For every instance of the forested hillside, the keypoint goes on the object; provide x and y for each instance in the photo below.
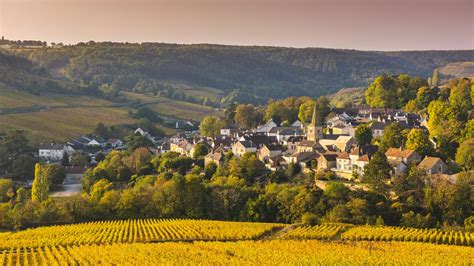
(21, 74)
(251, 74)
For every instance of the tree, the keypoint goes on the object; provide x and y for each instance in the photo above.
(135, 141)
(55, 174)
(322, 107)
(245, 116)
(211, 126)
(382, 92)
(393, 137)
(101, 131)
(425, 95)
(40, 187)
(363, 134)
(306, 111)
(65, 159)
(99, 157)
(377, 172)
(78, 160)
(200, 150)
(229, 113)
(465, 154)
(6, 185)
(435, 78)
(419, 141)
(460, 98)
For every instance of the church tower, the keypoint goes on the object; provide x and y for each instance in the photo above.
(314, 131)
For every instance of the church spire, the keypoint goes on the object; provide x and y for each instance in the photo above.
(315, 119)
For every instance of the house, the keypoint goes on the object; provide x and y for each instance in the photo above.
(433, 165)
(115, 143)
(292, 144)
(398, 167)
(217, 156)
(259, 139)
(54, 151)
(327, 161)
(184, 147)
(243, 146)
(377, 128)
(302, 158)
(144, 132)
(283, 133)
(403, 155)
(354, 162)
(270, 150)
(265, 128)
(275, 163)
(344, 142)
(310, 146)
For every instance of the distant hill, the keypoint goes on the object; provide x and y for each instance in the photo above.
(247, 73)
(21, 74)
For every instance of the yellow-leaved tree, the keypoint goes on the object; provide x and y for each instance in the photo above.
(40, 188)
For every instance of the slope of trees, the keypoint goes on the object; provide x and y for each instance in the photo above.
(249, 74)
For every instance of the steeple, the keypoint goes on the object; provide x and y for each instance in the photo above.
(314, 131)
(314, 119)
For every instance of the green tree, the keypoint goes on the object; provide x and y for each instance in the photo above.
(200, 150)
(425, 95)
(245, 116)
(78, 160)
(6, 185)
(460, 98)
(418, 140)
(55, 174)
(377, 172)
(363, 134)
(393, 137)
(382, 92)
(306, 111)
(40, 188)
(135, 141)
(465, 154)
(211, 126)
(101, 131)
(65, 159)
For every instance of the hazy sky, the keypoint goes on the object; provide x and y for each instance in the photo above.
(366, 24)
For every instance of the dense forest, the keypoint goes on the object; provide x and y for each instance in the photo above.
(246, 74)
(22, 74)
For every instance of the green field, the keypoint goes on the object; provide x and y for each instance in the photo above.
(62, 117)
(195, 90)
(173, 108)
(64, 123)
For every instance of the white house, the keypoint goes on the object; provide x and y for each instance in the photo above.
(54, 151)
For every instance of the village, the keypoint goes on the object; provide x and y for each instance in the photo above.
(326, 146)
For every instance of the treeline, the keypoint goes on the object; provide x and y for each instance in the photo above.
(247, 74)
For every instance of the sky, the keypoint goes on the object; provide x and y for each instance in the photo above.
(350, 24)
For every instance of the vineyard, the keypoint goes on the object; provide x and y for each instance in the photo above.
(288, 252)
(387, 233)
(324, 231)
(172, 241)
(132, 231)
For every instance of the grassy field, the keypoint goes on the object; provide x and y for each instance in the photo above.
(62, 117)
(184, 242)
(173, 108)
(196, 91)
(19, 99)
(64, 123)
(458, 69)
